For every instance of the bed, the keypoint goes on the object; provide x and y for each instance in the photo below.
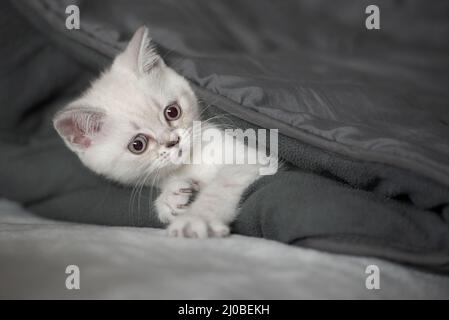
(143, 263)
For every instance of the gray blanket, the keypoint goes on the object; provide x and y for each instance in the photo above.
(363, 115)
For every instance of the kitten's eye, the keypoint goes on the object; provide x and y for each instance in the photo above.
(172, 112)
(138, 144)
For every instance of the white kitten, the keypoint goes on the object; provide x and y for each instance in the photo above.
(134, 120)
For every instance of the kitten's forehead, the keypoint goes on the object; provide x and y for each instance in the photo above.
(121, 92)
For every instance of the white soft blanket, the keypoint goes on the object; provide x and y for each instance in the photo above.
(143, 263)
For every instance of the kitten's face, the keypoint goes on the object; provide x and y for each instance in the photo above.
(134, 120)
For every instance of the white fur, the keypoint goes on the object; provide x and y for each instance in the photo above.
(129, 99)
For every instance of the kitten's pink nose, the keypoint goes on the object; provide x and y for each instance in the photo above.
(172, 143)
(169, 139)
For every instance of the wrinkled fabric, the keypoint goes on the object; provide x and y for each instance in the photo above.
(362, 114)
(375, 95)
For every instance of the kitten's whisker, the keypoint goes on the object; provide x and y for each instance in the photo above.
(137, 189)
(219, 117)
(131, 202)
(132, 199)
(205, 108)
(222, 117)
(152, 169)
(154, 182)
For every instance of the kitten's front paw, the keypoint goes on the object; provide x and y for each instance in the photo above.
(188, 227)
(218, 229)
(174, 199)
(191, 226)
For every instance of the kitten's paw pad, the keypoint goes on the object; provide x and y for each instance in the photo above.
(188, 227)
(218, 229)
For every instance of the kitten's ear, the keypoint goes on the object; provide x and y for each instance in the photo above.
(78, 126)
(140, 55)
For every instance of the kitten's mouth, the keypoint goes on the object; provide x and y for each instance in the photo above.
(175, 158)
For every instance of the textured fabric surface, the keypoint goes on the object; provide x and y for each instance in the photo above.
(120, 262)
(348, 114)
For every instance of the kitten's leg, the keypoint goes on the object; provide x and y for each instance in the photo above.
(175, 197)
(216, 205)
